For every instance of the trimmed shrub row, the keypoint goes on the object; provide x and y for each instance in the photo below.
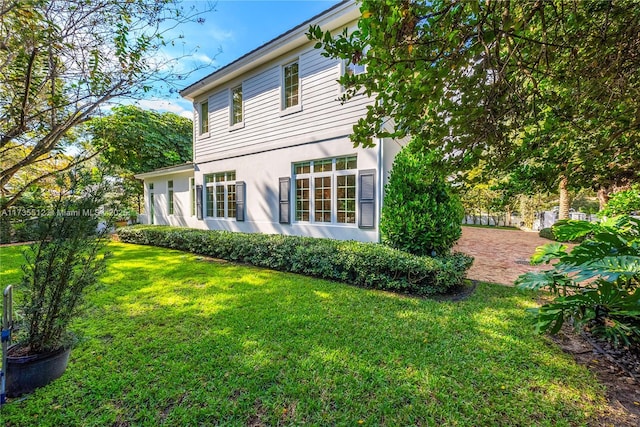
(369, 265)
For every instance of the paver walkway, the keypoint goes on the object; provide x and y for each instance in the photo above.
(500, 255)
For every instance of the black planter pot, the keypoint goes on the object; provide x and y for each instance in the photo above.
(26, 373)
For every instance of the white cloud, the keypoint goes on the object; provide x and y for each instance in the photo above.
(177, 107)
(219, 34)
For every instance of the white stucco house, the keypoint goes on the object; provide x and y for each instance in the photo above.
(271, 148)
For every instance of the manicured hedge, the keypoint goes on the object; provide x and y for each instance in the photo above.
(370, 265)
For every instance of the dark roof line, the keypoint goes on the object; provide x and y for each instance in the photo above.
(307, 22)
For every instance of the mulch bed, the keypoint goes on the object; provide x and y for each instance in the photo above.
(618, 369)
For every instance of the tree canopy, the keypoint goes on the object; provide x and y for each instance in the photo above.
(548, 85)
(138, 140)
(60, 61)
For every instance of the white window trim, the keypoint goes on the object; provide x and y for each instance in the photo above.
(295, 108)
(171, 198)
(192, 197)
(240, 124)
(343, 70)
(214, 185)
(199, 124)
(334, 174)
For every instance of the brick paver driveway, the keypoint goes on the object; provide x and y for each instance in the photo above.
(500, 255)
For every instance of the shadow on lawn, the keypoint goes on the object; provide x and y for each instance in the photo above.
(320, 345)
(176, 340)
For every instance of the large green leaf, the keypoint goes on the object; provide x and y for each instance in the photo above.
(547, 253)
(570, 230)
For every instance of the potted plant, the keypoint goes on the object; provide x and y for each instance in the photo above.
(60, 267)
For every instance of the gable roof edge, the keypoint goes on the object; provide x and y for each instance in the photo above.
(337, 15)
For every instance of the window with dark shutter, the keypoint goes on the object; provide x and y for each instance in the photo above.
(284, 191)
(367, 212)
(199, 201)
(240, 192)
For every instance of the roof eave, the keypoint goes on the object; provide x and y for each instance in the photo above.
(172, 170)
(338, 15)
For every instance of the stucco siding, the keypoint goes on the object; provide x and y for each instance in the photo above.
(261, 172)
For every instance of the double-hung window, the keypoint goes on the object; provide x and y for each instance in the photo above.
(237, 107)
(220, 197)
(290, 86)
(204, 117)
(325, 190)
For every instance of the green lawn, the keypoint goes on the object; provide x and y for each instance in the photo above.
(173, 339)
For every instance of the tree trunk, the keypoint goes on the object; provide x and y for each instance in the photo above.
(565, 201)
(603, 197)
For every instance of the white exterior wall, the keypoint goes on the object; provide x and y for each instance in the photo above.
(261, 173)
(267, 144)
(181, 201)
(266, 127)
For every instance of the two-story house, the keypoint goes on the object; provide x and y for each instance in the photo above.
(271, 149)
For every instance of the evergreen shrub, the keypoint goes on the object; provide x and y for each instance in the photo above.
(369, 265)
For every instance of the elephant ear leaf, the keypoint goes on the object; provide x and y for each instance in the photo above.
(547, 253)
(570, 230)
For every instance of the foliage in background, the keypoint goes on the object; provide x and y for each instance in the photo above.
(61, 60)
(547, 233)
(370, 265)
(623, 203)
(551, 85)
(597, 284)
(421, 214)
(138, 140)
(131, 141)
(62, 264)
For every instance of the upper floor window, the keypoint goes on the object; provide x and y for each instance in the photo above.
(353, 69)
(221, 194)
(204, 117)
(290, 86)
(237, 116)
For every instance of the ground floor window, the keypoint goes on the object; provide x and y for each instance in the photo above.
(220, 194)
(170, 196)
(325, 190)
(192, 194)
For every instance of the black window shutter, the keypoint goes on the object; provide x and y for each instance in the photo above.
(367, 214)
(240, 192)
(284, 191)
(199, 201)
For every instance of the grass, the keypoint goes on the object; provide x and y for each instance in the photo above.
(173, 339)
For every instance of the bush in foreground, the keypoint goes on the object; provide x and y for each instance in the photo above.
(597, 284)
(368, 265)
(421, 214)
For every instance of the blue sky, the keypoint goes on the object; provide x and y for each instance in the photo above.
(233, 29)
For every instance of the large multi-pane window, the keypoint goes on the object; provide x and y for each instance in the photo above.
(291, 86)
(170, 196)
(325, 190)
(236, 105)
(204, 117)
(221, 194)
